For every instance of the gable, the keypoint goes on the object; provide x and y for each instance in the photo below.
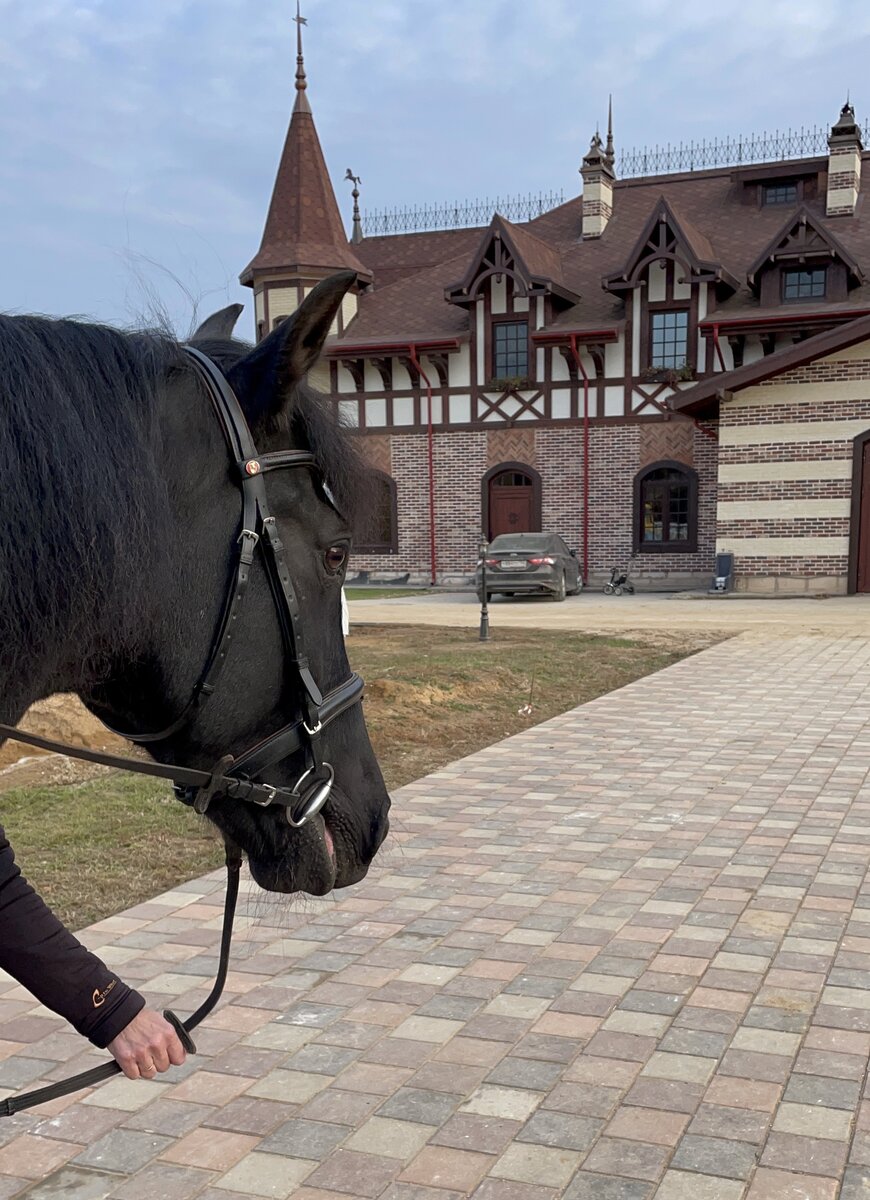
(803, 240)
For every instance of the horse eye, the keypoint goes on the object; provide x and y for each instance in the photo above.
(335, 558)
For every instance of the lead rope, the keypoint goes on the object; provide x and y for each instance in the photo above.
(95, 1075)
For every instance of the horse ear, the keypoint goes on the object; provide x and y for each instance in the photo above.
(219, 325)
(264, 379)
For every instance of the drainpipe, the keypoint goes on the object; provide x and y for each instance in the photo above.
(412, 354)
(572, 339)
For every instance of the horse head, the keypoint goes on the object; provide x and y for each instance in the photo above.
(262, 686)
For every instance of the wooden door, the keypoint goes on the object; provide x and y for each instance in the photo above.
(510, 510)
(863, 577)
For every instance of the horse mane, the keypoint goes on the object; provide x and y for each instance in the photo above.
(84, 508)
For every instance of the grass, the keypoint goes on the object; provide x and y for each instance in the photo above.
(434, 695)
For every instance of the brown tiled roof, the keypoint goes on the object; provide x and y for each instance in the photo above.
(409, 309)
(394, 257)
(304, 227)
(708, 205)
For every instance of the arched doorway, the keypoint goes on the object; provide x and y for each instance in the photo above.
(511, 500)
(859, 565)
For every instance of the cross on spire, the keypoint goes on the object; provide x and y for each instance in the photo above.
(301, 104)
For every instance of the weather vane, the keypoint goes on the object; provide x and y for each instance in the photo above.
(357, 223)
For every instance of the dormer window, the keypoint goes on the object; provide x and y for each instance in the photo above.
(510, 349)
(804, 285)
(669, 339)
(779, 193)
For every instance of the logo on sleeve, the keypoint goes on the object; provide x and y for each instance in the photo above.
(100, 997)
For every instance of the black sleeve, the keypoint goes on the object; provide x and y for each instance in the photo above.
(44, 957)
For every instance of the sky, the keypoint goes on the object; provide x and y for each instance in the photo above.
(139, 138)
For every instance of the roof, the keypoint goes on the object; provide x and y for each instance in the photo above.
(720, 230)
(702, 399)
(304, 227)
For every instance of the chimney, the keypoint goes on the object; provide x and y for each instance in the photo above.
(597, 172)
(844, 164)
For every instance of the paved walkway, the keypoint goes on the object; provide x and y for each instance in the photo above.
(623, 955)
(594, 612)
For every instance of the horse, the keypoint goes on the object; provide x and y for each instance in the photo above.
(119, 518)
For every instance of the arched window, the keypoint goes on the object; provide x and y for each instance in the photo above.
(380, 532)
(666, 509)
(511, 500)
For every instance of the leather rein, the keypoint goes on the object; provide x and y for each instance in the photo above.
(236, 778)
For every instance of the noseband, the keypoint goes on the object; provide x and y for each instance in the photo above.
(237, 778)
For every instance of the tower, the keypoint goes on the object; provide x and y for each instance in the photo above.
(304, 239)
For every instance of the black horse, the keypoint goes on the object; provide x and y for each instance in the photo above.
(118, 514)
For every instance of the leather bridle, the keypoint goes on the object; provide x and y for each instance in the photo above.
(236, 778)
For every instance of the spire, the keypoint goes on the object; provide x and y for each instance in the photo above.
(609, 156)
(301, 104)
(357, 235)
(304, 231)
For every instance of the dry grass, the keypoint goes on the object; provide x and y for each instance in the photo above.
(434, 695)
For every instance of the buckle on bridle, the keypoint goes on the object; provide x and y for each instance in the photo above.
(271, 793)
(312, 732)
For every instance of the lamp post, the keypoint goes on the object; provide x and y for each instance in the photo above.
(484, 595)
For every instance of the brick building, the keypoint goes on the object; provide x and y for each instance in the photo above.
(661, 368)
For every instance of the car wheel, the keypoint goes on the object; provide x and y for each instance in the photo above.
(560, 593)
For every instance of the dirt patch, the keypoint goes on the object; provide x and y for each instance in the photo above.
(65, 719)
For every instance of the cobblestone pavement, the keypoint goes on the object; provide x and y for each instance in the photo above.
(623, 955)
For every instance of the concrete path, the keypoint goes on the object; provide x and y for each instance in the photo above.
(594, 612)
(623, 955)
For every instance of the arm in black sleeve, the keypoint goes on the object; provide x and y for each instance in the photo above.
(38, 951)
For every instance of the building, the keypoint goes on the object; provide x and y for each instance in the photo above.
(660, 369)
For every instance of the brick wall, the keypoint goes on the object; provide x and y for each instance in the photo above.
(616, 453)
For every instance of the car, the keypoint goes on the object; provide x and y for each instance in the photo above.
(529, 563)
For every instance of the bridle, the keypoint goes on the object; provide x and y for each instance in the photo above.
(233, 777)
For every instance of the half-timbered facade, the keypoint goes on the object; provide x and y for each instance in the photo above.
(651, 370)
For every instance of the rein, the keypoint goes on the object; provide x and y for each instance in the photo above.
(235, 778)
(15, 1104)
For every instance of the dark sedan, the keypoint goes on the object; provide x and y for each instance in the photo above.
(518, 563)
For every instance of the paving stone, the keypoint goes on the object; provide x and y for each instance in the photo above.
(305, 1139)
(585, 1186)
(123, 1150)
(566, 1130)
(424, 1107)
(634, 1160)
(715, 1156)
(71, 1183)
(266, 1175)
(442, 1167)
(784, 1185)
(163, 1180)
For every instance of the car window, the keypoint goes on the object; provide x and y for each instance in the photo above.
(559, 545)
(519, 541)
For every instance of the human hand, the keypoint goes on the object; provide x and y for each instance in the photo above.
(147, 1046)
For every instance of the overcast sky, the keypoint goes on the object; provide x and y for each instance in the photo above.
(140, 137)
